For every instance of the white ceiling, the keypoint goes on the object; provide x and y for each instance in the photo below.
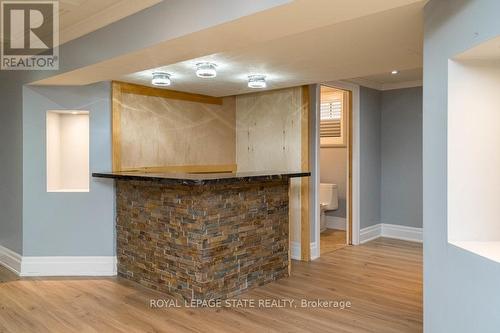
(386, 81)
(80, 17)
(402, 76)
(292, 44)
(489, 50)
(371, 44)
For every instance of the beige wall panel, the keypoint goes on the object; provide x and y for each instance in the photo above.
(157, 131)
(268, 137)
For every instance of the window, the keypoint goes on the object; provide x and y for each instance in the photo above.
(333, 105)
(331, 117)
(67, 151)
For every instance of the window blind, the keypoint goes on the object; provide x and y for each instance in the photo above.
(331, 117)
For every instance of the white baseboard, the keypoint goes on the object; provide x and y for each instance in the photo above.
(10, 260)
(295, 250)
(390, 231)
(402, 232)
(334, 222)
(370, 233)
(314, 251)
(68, 266)
(57, 266)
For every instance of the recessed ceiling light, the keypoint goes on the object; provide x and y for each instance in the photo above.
(74, 112)
(257, 81)
(206, 70)
(161, 79)
(394, 72)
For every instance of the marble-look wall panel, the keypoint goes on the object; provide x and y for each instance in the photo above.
(268, 137)
(164, 132)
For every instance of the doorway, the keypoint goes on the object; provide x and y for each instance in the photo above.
(334, 190)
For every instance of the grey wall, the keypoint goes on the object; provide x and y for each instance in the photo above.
(461, 290)
(370, 162)
(401, 157)
(11, 137)
(391, 157)
(67, 224)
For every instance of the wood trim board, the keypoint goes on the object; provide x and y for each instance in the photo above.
(289, 230)
(349, 165)
(130, 88)
(305, 226)
(219, 168)
(116, 109)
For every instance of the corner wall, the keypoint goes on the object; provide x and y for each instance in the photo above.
(391, 157)
(11, 177)
(461, 292)
(67, 224)
(401, 157)
(370, 156)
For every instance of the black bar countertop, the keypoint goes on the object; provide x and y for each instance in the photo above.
(201, 178)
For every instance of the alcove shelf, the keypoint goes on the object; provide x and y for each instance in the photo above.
(67, 151)
(473, 150)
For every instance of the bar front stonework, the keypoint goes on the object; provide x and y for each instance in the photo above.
(200, 236)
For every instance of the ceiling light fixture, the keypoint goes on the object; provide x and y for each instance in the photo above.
(206, 70)
(394, 72)
(257, 81)
(161, 79)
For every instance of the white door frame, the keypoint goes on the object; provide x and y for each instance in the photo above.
(354, 219)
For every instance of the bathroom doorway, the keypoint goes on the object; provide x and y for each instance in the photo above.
(335, 156)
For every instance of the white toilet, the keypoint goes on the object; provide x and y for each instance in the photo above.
(328, 200)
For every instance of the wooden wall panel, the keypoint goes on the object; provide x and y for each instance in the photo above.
(153, 131)
(269, 130)
(116, 109)
(305, 226)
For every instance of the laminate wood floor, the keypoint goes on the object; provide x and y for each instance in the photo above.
(332, 239)
(382, 279)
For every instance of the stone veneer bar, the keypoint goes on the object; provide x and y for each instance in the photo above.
(202, 236)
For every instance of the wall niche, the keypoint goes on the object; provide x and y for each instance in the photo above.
(67, 151)
(474, 150)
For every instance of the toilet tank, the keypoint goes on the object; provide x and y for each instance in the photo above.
(328, 196)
